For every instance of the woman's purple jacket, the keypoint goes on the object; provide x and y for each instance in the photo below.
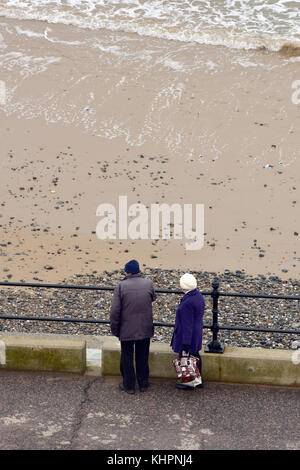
(189, 322)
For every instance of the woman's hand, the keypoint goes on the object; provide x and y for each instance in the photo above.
(185, 351)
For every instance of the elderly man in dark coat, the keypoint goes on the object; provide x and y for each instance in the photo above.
(187, 336)
(131, 321)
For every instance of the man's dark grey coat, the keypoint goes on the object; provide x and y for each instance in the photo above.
(131, 309)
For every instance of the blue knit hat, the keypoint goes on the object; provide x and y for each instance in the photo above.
(132, 267)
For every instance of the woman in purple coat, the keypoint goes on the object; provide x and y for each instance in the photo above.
(187, 336)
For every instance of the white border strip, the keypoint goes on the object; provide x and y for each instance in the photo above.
(94, 355)
(2, 353)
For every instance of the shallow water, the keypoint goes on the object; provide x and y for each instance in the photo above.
(239, 24)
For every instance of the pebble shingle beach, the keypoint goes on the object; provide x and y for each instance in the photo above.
(249, 312)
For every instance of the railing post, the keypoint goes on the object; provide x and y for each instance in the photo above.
(215, 346)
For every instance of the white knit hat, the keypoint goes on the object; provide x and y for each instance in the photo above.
(188, 282)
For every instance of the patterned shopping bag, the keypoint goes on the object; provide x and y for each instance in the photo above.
(186, 367)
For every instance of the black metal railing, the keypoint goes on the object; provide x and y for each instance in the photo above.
(215, 346)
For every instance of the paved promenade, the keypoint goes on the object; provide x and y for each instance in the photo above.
(60, 411)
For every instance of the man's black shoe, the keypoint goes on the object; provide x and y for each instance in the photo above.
(121, 387)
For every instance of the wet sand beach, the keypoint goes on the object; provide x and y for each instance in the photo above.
(92, 115)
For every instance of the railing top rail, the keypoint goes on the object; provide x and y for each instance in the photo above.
(159, 291)
(260, 296)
